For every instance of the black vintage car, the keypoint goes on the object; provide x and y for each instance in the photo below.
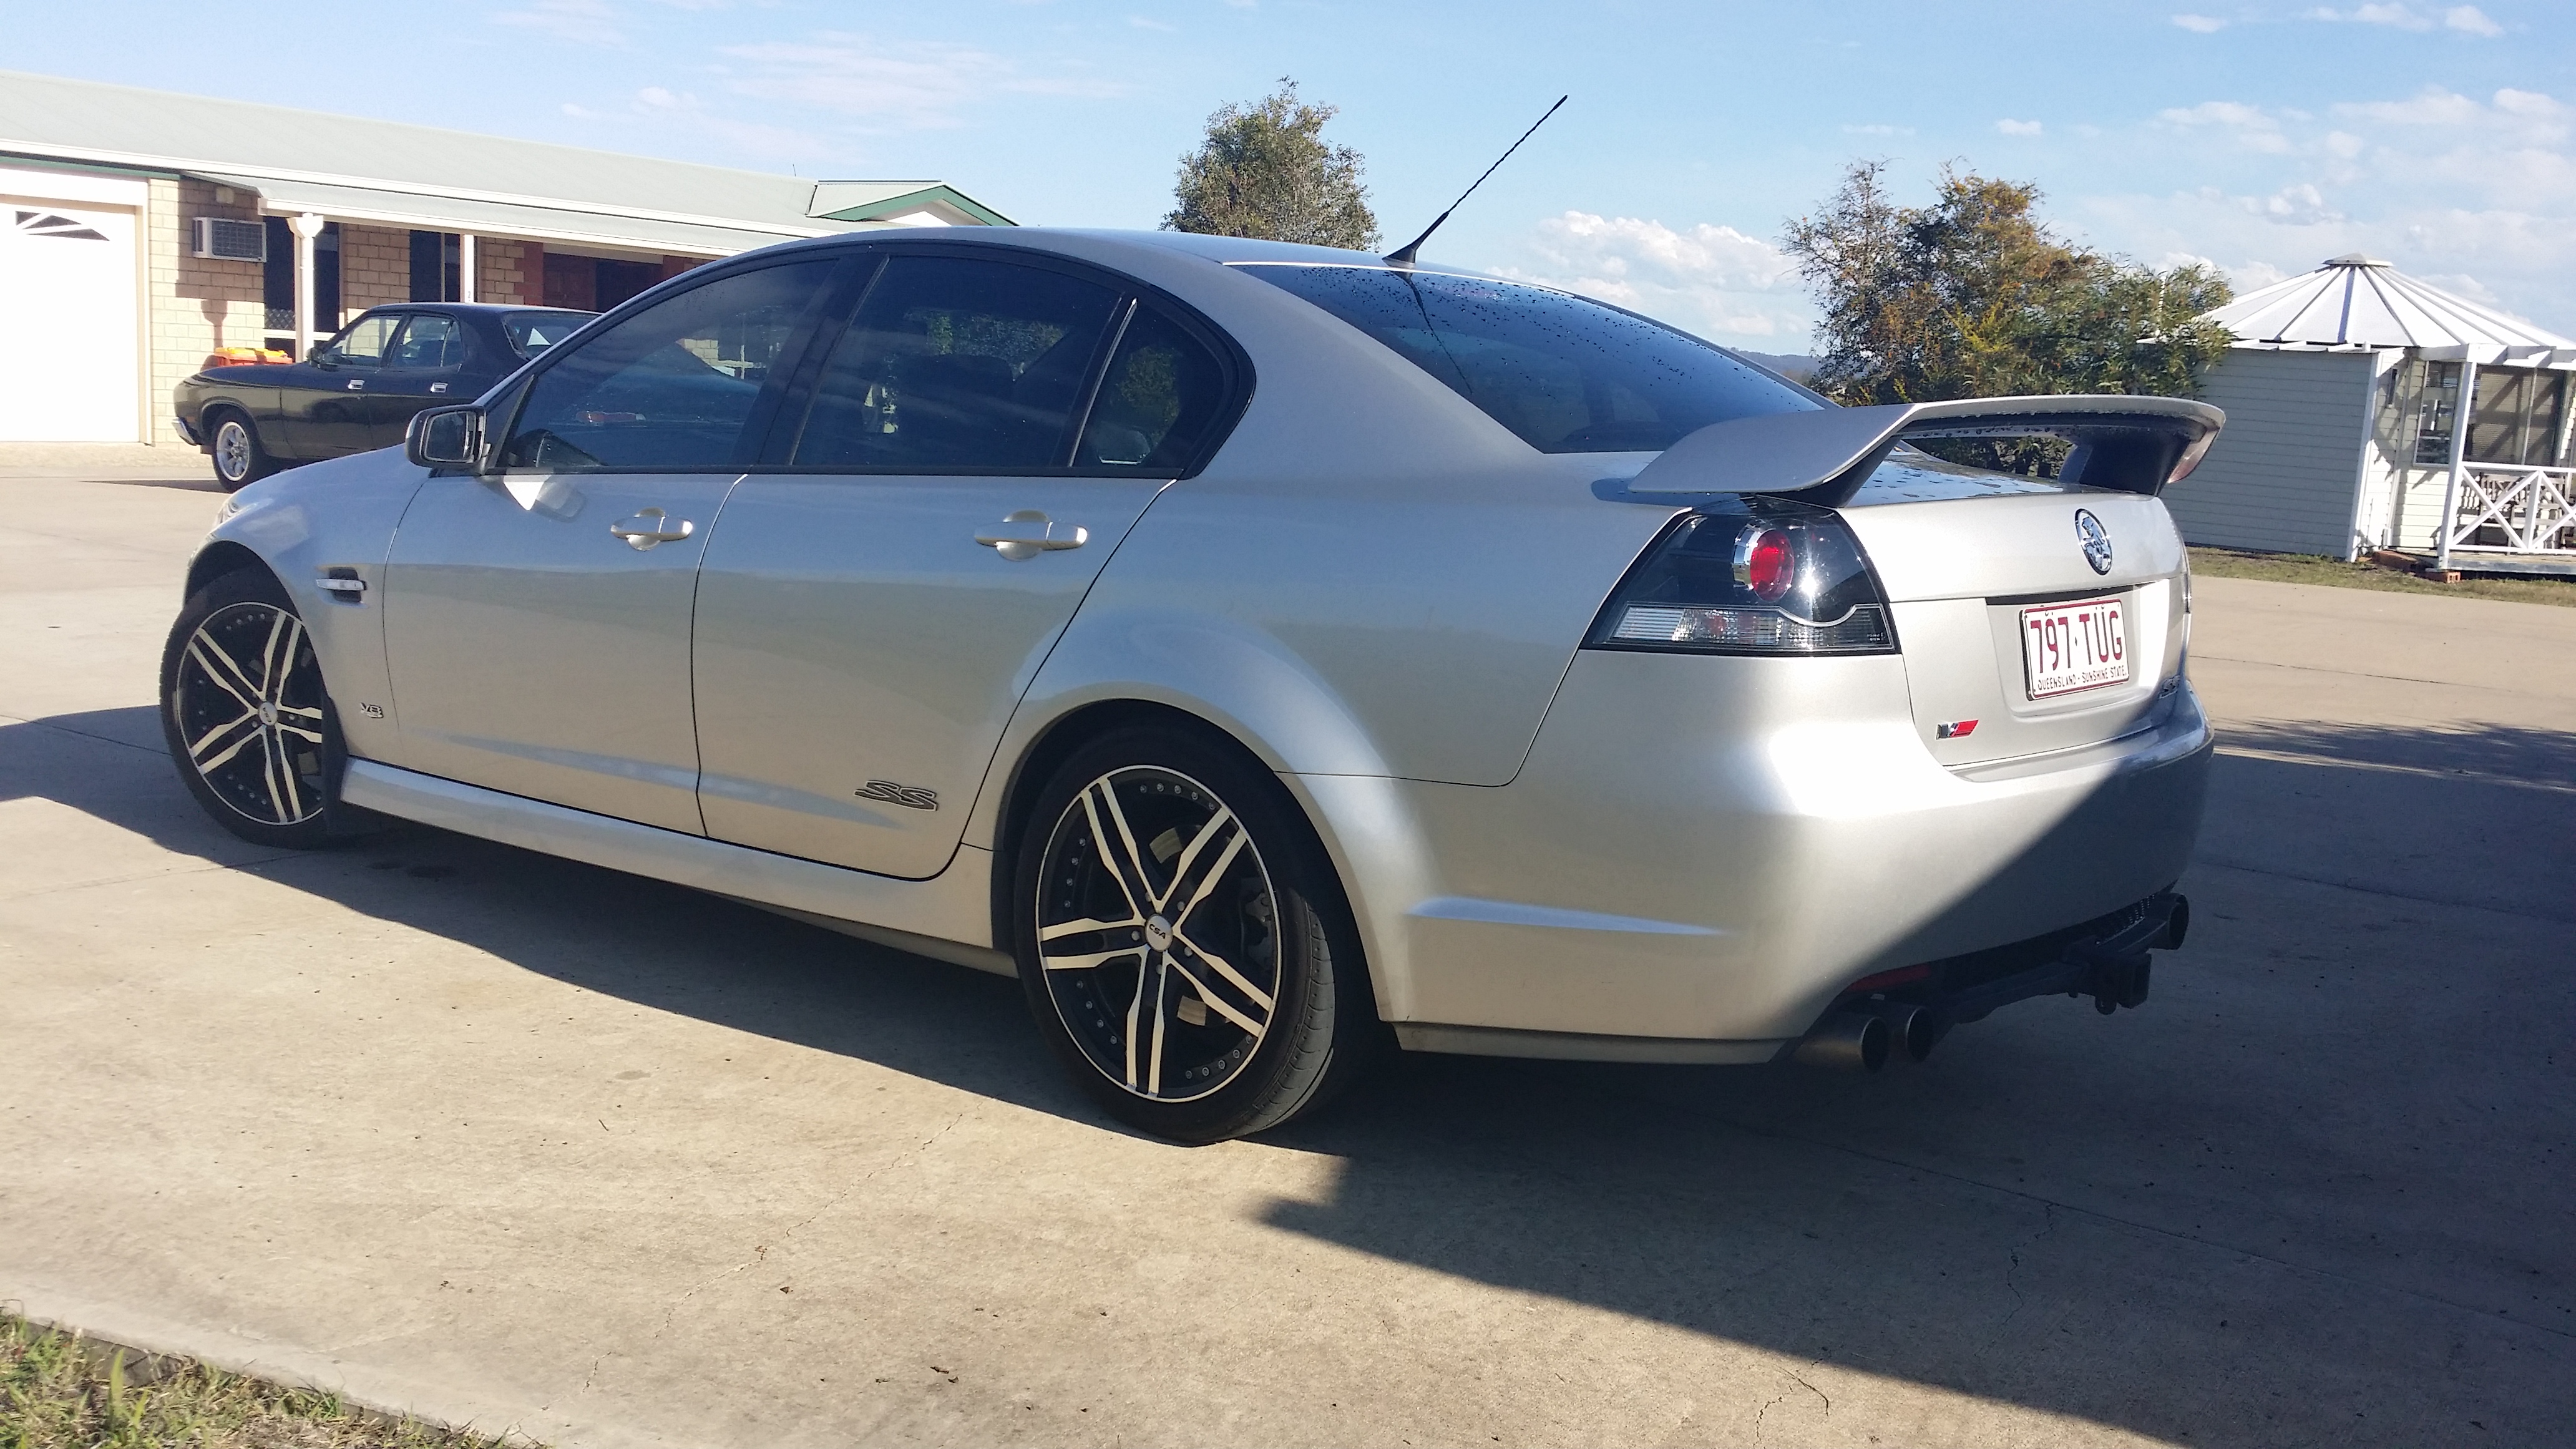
(359, 390)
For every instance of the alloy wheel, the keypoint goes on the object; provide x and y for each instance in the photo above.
(247, 700)
(233, 450)
(1158, 931)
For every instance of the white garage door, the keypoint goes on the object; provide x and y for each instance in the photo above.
(68, 368)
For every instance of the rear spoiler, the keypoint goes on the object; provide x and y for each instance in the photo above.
(2133, 444)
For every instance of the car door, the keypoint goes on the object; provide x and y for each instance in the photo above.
(424, 367)
(873, 606)
(327, 411)
(537, 619)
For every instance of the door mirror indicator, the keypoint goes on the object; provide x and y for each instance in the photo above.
(445, 438)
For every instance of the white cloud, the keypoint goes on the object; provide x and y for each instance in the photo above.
(682, 108)
(1139, 22)
(584, 22)
(912, 84)
(2466, 18)
(2200, 24)
(1878, 130)
(2475, 195)
(2019, 128)
(1711, 279)
(2393, 15)
(2299, 204)
(2249, 126)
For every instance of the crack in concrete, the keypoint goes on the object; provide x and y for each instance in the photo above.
(2048, 1227)
(1776, 1400)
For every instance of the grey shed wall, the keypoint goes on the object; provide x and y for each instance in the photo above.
(2282, 475)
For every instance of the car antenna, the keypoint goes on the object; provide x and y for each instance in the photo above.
(1403, 256)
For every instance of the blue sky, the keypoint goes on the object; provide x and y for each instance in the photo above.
(2262, 138)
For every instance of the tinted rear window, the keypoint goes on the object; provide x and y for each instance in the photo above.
(533, 332)
(1566, 375)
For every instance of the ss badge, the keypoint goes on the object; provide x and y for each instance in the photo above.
(911, 796)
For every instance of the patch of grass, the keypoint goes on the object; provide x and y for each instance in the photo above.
(62, 1392)
(2300, 568)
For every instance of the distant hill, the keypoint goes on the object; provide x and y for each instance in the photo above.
(1785, 363)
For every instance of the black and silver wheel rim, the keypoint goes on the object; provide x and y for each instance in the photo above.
(1158, 930)
(232, 450)
(247, 699)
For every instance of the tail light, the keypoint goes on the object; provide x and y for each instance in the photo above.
(1750, 576)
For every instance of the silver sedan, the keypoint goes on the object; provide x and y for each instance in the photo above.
(1268, 654)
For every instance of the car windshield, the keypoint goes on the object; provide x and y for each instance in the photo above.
(1565, 374)
(533, 332)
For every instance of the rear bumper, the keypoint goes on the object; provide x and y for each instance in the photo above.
(1707, 852)
(188, 431)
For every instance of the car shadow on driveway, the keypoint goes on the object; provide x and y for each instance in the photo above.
(2316, 1189)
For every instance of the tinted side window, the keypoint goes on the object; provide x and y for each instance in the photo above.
(953, 362)
(432, 340)
(533, 332)
(1566, 375)
(671, 386)
(363, 345)
(1162, 394)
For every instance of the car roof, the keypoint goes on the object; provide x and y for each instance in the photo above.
(1091, 242)
(477, 309)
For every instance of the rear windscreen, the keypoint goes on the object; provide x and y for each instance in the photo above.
(534, 332)
(1566, 375)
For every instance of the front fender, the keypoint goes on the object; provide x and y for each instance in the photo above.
(330, 518)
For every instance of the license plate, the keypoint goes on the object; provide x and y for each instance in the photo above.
(2083, 645)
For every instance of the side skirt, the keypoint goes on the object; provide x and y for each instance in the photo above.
(952, 910)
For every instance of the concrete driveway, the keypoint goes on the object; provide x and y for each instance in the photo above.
(504, 1139)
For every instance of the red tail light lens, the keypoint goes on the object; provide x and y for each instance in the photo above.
(1750, 575)
(1764, 562)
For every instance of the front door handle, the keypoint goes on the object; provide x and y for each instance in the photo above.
(357, 384)
(650, 526)
(1028, 533)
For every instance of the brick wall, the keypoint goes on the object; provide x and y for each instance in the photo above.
(501, 270)
(195, 304)
(375, 268)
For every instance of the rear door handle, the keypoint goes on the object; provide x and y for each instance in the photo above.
(650, 526)
(1028, 533)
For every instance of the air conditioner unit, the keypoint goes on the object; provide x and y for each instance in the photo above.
(227, 240)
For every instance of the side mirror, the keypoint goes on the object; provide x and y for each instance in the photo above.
(445, 438)
(321, 356)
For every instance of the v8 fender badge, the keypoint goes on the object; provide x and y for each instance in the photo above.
(2097, 542)
(910, 796)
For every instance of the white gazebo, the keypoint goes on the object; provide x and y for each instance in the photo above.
(2343, 395)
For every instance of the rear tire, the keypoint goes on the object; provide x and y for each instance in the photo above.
(240, 459)
(1184, 942)
(246, 716)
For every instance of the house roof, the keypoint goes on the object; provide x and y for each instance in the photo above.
(430, 177)
(2354, 303)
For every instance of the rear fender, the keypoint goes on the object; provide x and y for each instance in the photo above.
(1251, 687)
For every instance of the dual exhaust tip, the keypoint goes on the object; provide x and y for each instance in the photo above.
(1864, 1036)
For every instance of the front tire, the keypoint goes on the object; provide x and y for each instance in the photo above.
(1183, 941)
(246, 716)
(240, 459)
